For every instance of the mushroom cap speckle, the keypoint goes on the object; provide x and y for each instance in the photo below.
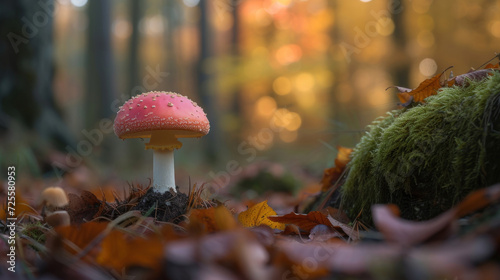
(158, 110)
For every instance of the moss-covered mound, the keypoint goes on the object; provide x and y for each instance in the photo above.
(427, 158)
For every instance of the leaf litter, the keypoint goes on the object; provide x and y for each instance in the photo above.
(132, 238)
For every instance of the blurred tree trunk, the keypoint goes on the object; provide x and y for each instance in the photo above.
(27, 71)
(134, 81)
(100, 71)
(235, 51)
(101, 90)
(135, 11)
(401, 67)
(213, 140)
(172, 14)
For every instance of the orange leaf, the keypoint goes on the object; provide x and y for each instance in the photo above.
(303, 221)
(478, 199)
(202, 220)
(492, 66)
(258, 215)
(331, 175)
(224, 219)
(427, 88)
(211, 220)
(343, 157)
(119, 251)
(405, 98)
(81, 235)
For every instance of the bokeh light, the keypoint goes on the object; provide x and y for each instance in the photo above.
(294, 121)
(288, 54)
(306, 100)
(152, 25)
(265, 106)
(495, 28)
(122, 28)
(282, 85)
(427, 67)
(260, 59)
(304, 82)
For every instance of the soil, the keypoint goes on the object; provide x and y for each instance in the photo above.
(168, 206)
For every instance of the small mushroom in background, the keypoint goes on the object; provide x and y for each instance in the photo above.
(163, 117)
(52, 199)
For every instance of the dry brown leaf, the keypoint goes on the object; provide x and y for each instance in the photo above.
(338, 256)
(202, 220)
(337, 214)
(81, 235)
(323, 233)
(264, 235)
(492, 66)
(84, 207)
(349, 231)
(211, 220)
(209, 248)
(405, 98)
(224, 219)
(477, 75)
(119, 251)
(478, 200)
(427, 88)
(292, 229)
(305, 222)
(448, 260)
(406, 232)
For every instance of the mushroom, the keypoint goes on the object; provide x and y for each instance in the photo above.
(54, 197)
(163, 117)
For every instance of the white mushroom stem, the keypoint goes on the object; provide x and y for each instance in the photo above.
(163, 170)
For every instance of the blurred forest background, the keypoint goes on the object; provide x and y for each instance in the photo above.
(323, 65)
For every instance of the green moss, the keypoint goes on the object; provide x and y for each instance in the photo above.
(427, 158)
(35, 231)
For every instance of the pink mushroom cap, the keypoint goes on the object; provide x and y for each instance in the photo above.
(165, 114)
